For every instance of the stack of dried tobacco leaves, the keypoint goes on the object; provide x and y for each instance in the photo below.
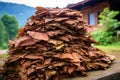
(53, 45)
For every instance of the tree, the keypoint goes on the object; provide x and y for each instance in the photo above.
(107, 34)
(107, 19)
(3, 39)
(11, 25)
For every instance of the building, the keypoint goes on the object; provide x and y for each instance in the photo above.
(92, 8)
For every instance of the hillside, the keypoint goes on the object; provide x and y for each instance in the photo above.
(22, 12)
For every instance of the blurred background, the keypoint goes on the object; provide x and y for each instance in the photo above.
(103, 16)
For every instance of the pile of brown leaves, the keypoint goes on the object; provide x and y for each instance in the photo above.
(53, 45)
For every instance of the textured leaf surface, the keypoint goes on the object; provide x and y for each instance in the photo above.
(39, 36)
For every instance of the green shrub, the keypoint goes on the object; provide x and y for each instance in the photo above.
(107, 19)
(102, 37)
(106, 35)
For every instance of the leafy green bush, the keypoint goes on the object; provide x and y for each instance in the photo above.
(102, 37)
(9, 27)
(107, 19)
(107, 35)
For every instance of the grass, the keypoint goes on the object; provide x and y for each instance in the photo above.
(3, 56)
(111, 49)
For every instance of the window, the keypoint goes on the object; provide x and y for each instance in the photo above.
(91, 19)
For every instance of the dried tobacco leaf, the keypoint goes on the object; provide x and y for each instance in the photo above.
(76, 57)
(66, 56)
(64, 38)
(63, 28)
(40, 9)
(40, 67)
(49, 73)
(26, 64)
(38, 36)
(55, 33)
(58, 47)
(58, 64)
(48, 20)
(71, 69)
(13, 59)
(55, 42)
(24, 41)
(33, 56)
(20, 32)
(91, 66)
(11, 43)
(61, 19)
(92, 54)
(30, 71)
(111, 57)
(47, 61)
(70, 22)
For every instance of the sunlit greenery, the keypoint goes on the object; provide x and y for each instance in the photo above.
(2, 35)
(107, 34)
(9, 27)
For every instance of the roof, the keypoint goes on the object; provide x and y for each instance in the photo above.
(84, 3)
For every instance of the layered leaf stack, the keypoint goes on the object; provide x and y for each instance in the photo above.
(53, 45)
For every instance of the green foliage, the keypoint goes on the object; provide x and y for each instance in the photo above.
(2, 35)
(116, 42)
(107, 35)
(107, 19)
(11, 25)
(103, 37)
